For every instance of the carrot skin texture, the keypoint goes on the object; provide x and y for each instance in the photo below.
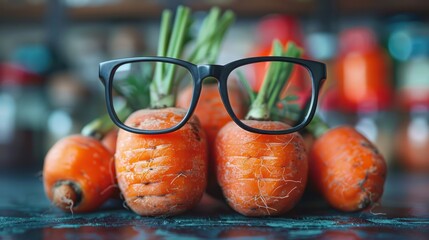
(347, 169)
(163, 174)
(260, 174)
(213, 116)
(86, 164)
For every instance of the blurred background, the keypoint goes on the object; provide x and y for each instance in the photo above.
(377, 53)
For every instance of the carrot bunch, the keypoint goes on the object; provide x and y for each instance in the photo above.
(162, 174)
(262, 174)
(167, 174)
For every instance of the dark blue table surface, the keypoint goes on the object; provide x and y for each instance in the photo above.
(403, 213)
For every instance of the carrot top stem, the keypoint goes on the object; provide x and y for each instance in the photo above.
(275, 79)
(172, 42)
(317, 127)
(210, 37)
(100, 126)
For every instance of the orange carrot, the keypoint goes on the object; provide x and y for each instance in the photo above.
(78, 174)
(347, 169)
(213, 116)
(161, 174)
(79, 170)
(166, 174)
(261, 174)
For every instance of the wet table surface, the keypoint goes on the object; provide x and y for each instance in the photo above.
(403, 213)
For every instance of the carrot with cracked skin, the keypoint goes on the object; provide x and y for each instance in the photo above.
(162, 174)
(346, 167)
(261, 174)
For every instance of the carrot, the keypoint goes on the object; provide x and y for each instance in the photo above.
(262, 174)
(78, 174)
(346, 167)
(165, 174)
(162, 174)
(79, 171)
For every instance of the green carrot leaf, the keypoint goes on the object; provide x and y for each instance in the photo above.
(276, 77)
(247, 87)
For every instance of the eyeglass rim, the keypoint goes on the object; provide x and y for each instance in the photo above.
(316, 69)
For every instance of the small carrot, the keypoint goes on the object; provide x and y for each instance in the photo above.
(78, 174)
(346, 167)
(162, 174)
(79, 171)
(262, 174)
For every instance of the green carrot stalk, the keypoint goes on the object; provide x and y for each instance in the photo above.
(205, 35)
(317, 127)
(224, 22)
(100, 126)
(173, 37)
(161, 89)
(275, 79)
(211, 35)
(162, 47)
(175, 47)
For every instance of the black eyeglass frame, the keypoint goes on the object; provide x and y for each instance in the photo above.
(220, 72)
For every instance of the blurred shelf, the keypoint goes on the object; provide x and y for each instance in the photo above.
(360, 7)
(137, 10)
(134, 10)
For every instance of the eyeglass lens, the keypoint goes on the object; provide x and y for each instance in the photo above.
(132, 81)
(289, 107)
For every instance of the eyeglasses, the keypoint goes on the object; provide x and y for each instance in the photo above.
(295, 105)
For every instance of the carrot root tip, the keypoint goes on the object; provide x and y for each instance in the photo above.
(66, 195)
(366, 202)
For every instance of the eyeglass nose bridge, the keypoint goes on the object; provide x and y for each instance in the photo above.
(209, 70)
